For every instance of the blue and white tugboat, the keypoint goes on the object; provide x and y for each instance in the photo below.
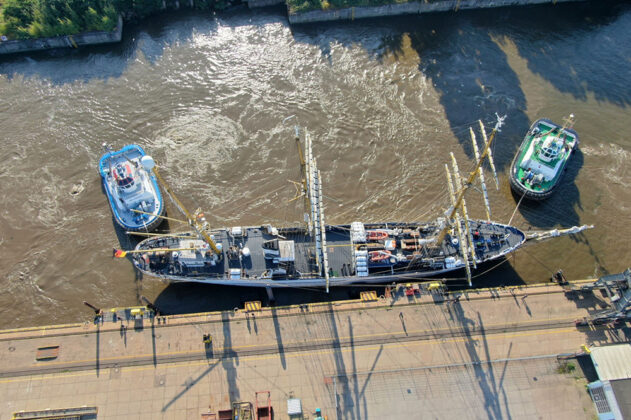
(131, 188)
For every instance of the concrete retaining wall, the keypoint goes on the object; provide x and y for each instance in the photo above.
(407, 9)
(264, 3)
(70, 41)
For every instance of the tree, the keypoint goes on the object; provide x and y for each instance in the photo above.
(18, 15)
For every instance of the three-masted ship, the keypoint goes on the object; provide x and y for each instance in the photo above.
(322, 255)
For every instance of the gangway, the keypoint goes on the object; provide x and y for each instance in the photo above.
(618, 290)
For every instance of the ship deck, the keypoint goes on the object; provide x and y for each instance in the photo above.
(339, 253)
(545, 126)
(195, 262)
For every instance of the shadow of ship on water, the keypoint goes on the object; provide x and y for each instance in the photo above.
(128, 242)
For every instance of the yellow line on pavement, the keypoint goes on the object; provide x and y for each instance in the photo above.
(298, 354)
(476, 331)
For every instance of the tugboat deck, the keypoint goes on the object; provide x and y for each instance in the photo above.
(131, 188)
(533, 175)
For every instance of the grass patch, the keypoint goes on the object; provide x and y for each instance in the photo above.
(24, 19)
(566, 368)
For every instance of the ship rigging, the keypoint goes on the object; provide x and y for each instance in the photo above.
(320, 255)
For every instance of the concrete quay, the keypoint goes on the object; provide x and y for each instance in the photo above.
(409, 8)
(490, 353)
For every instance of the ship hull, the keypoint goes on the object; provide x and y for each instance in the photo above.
(319, 282)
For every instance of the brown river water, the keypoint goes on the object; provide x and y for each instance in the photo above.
(384, 100)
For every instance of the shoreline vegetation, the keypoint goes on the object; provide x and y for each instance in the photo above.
(34, 19)
(44, 24)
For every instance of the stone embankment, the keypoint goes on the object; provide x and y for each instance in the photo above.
(352, 13)
(69, 41)
(253, 4)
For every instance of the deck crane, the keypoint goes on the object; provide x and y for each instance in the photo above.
(196, 221)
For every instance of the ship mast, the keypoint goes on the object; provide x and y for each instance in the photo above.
(313, 182)
(568, 122)
(463, 208)
(461, 236)
(490, 153)
(201, 229)
(311, 190)
(485, 194)
(301, 187)
(451, 212)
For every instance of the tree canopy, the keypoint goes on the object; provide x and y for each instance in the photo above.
(21, 19)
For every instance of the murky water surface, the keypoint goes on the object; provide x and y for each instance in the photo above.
(385, 101)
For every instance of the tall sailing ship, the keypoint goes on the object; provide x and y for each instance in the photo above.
(321, 255)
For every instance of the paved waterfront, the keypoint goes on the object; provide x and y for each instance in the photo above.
(489, 355)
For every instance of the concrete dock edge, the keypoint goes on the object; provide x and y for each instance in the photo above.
(353, 13)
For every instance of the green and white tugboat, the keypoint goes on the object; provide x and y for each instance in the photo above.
(542, 158)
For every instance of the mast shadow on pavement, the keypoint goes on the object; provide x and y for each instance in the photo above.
(279, 338)
(188, 384)
(229, 359)
(475, 337)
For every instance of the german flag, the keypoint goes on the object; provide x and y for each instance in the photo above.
(119, 253)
